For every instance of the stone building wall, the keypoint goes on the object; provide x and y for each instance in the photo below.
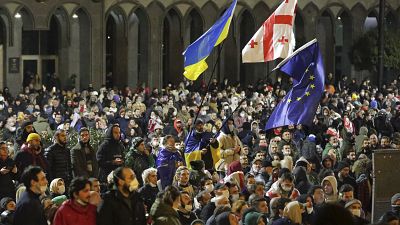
(136, 41)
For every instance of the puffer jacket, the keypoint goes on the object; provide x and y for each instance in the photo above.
(59, 160)
(109, 150)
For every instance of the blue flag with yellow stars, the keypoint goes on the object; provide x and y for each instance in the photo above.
(306, 68)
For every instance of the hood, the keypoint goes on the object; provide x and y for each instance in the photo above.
(179, 130)
(159, 209)
(292, 211)
(53, 185)
(363, 131)
(225, 128)
(109, 135)
(300, 175)
(333, 182)
(234, 167)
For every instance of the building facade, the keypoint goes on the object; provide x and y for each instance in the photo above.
(130, 42)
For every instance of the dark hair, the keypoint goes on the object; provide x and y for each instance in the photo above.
(287, 176)
(253, 187)
(29, 174)
(77, 184)
(199, 196)
(204, 180)
(333, 214)
(170, 194)
(313, 188)
(346, 188)
(118, 174)
(255, 201)
(83, 129)
(166, 139)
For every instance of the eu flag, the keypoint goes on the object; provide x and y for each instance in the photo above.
(196, 54)
(306, 68)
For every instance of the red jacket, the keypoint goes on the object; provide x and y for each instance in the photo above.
(71, 213)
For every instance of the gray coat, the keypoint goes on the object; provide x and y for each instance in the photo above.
(79, 161)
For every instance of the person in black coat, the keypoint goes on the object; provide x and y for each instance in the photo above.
(83, 156)
(29, 210)
(110, 153)
(301, 181)
(150, 189)
(122, 205)
(8, 172)
(59, 158)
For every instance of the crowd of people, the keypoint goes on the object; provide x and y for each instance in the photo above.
(153, 156)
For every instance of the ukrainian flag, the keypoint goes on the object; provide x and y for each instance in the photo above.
(197, 53)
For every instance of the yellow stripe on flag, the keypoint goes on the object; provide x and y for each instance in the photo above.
(193, 71)
(195, 155)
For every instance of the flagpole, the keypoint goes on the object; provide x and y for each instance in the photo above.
(208, 88)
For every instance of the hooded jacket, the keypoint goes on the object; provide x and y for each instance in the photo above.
(108, 151)
(227, 142)
(301, 181)
(70, 213)
(292, 211)
(334, 197)
(163, 214)
(42, 124)
(360, 138)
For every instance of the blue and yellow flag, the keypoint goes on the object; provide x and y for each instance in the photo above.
(306, 68)
(197, 53)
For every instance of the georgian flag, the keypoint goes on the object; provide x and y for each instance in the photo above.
(275, 38)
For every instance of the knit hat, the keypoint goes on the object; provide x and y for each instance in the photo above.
(4, 201)
(137, 141)
(352, 202)
(33, 136)
(252, 218)
(395, 197)
(341, 165)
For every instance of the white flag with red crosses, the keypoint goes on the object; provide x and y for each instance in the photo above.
(275, 38)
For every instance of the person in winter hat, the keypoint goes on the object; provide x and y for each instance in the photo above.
(139, 158)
